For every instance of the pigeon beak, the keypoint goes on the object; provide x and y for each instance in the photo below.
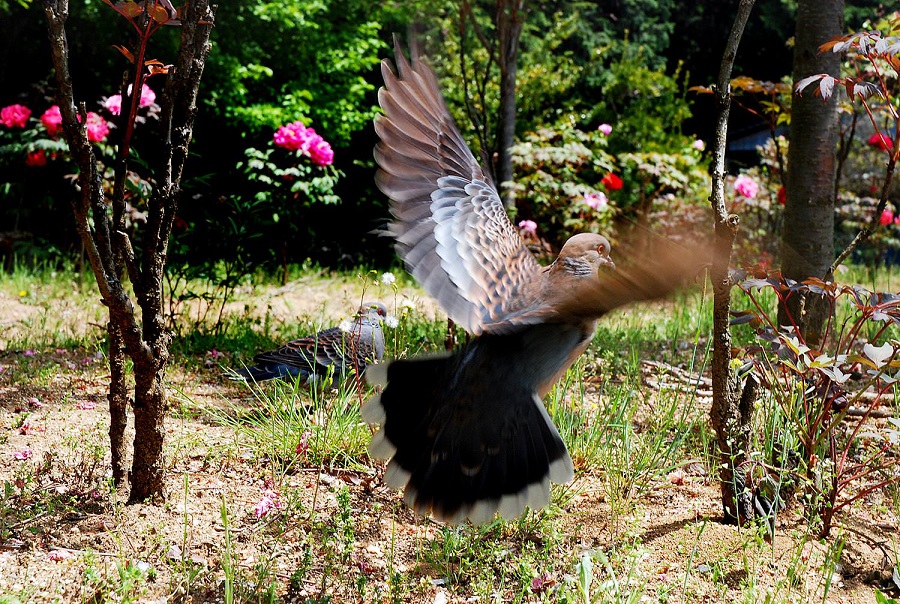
(606, 264)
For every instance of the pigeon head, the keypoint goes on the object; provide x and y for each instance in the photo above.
(586, 254)
(374, 312)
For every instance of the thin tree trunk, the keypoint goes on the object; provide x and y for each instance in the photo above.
(510, 20)
(727, 415)
(118, 404)
(808, 238)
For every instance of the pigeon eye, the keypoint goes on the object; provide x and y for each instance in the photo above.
(601, 249)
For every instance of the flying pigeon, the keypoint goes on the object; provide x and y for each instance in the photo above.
(344, 350)
(467, 434)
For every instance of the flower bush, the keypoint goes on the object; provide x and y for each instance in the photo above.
(35, 164)
(567, 182)
(294, 172)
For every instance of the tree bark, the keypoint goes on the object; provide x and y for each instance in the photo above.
(727, 415)
(118, 405)
(808, 238)
(510, 20)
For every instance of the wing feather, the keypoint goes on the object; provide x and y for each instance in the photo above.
(450, 226)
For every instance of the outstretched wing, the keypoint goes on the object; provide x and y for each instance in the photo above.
(450, 226)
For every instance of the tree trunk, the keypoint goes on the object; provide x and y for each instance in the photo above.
(808, 238)
(148, 469)
(728, 416)
(510, 20)
(118, 404)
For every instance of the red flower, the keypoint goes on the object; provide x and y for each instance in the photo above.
(14, 116)
(887, 217)
(781, 196)
(880, 142)
(36, 159)
(52, 120)
(612, 182)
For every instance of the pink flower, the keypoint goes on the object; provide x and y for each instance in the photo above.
(113, 104)
(148, 97)
(268, 503)
(880, 142)
(597, 201)
(322, 153)
(52, 120)
(36, 159)
(699, 145)
(303, 445)
(528, 227)
(97, 128)
(297, 137)
(887, 217)
(611, 182)
(542, 583)
(605, 129)
(22, 455)
(214, 353)
(746, 186)
(14, 116)
(28, 353)
(58, 555)
(85, 405)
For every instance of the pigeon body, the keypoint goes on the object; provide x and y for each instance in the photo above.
(331, 349)
(467, 434)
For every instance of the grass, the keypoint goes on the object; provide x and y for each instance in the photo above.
(274, 497)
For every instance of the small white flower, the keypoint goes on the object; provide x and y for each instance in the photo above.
(392, 321)
(388, 279)
(346, 325)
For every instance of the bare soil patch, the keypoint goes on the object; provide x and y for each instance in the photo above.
(67, 538)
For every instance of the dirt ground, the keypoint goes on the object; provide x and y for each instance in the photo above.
(56, 553)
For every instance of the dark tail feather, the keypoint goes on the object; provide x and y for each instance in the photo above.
(262, 373)
(464, 448)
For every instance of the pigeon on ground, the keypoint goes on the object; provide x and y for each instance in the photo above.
(334, 349)
(467, 434)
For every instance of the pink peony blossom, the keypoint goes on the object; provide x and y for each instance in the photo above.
(699, 145)
(113, 104)
(887, 217)
(605, 129)
(528, 227)
(36, 159)
(97, 128)
(52, 120)
(746, 186)
(297, 137)
(597, 201)
(14, 116)
(148, 97)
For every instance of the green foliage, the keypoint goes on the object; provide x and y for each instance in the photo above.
(276, 62)
(555, 171)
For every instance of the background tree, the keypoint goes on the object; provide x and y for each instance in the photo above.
(112, 253)
(808, 237)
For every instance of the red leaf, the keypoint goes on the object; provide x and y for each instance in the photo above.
(129, 9)
(125, 52)
(158, 14)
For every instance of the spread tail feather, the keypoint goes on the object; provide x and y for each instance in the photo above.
(461, 451)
